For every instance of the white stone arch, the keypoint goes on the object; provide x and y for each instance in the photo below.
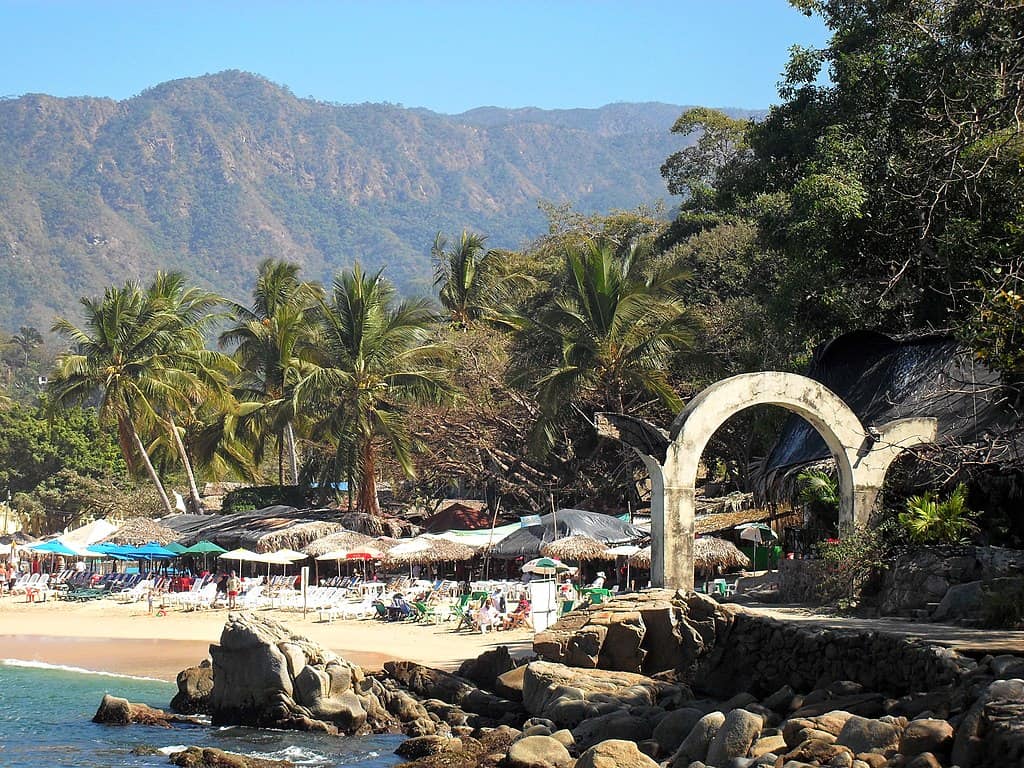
(862, 457)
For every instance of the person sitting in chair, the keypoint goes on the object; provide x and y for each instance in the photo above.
(486, 616)
(598, 583)
(520, 617)
(399, 608)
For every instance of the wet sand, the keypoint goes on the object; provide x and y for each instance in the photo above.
(106, 636)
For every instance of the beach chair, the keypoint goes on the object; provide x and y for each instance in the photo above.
(424, 613)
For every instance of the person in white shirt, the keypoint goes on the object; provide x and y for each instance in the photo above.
(598, 583)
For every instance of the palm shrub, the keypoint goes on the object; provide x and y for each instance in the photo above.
(929, 520)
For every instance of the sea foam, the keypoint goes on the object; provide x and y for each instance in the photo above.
(28, 664)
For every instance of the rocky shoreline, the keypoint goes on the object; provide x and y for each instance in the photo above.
(656, 680)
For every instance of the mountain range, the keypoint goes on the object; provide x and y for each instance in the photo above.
(210, 175)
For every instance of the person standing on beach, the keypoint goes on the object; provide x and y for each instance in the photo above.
(233, 585)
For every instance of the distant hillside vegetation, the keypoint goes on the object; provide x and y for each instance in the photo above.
(212, 174)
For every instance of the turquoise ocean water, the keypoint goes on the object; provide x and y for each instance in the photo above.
(45, 717)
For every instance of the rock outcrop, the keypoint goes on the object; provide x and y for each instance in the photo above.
(195, 685)
(268, 677)
(117, 711)
(210, 757)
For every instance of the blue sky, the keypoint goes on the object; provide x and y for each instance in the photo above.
(447, 55)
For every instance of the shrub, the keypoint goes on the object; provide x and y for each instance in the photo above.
(928, 520)
(1004, 609)
(850, 564)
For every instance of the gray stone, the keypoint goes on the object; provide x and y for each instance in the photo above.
(195, 685)
(615, 753)
(538, 752)
(863, 735)
(695, 745)
(969, 742)
(615, 725)
(421, 746)
(961, 601)
(781, 700)
(926, 735)
(735, 737)
(674, 727)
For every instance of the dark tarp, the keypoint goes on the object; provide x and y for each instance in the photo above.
(526, 542)
(882, 379)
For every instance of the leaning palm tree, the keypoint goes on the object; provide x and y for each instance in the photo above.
(603, 337)
(118, 354)
(473, 282)
(374, 357)
(268, 337)
(141, 351)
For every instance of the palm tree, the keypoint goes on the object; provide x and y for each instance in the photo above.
(474, 283)
(197, 377)
(141, 352)
(374, 356)
(268, 338)
(603, 337)
(118, 354)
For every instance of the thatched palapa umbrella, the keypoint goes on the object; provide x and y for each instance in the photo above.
(377, 525)
(425, 549)
(708, 553)
(296, 536)
(577, 547)
(137, 531)
(334, 542)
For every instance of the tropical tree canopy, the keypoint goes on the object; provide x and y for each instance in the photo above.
(603, 336)
(374, 357)
(268, 339)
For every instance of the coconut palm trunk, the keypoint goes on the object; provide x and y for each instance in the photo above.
(151, 470)
(292, 453)
(367, 500)
(193, 490)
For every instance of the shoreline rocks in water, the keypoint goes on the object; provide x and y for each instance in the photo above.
(940, 710)
(117, 711)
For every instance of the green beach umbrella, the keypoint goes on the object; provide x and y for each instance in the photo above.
(204, 548)
(175, 547)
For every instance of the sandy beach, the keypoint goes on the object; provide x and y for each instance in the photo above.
(106, 636)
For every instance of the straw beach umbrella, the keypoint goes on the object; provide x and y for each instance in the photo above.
(296, 535)
(343, 540)
(138, 531)
(428, 549)
(641, 559)
(577, 547)
(710, 552)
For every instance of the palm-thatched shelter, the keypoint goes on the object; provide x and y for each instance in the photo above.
(708, 553)
(577, 547)
(425, 550)
(339, 541)
(294, 536)
(137, 531)
(377, 525)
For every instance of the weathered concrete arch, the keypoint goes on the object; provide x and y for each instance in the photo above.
(862, 456)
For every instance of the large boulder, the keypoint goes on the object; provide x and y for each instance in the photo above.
(195, 685)
(615, 725)
(266, 676)
(117, 711)
(211, 757)
(615, 753)
(436, 684)
(510, 684)
(695, 745)
(674, 727)
(992, 726)
(926, 735)
(861, 734)
(487, 667)
(538, 752)
(567, 696)
(738, 732)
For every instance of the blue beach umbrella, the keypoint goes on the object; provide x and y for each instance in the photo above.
(151, 551)
(55, 547)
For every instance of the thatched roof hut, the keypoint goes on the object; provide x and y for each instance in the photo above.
(340, 540)
(641, 559)
(708, 553)
(137, 531)
(576, 547)
(377, 525)
(429, 550)
(295, 536)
